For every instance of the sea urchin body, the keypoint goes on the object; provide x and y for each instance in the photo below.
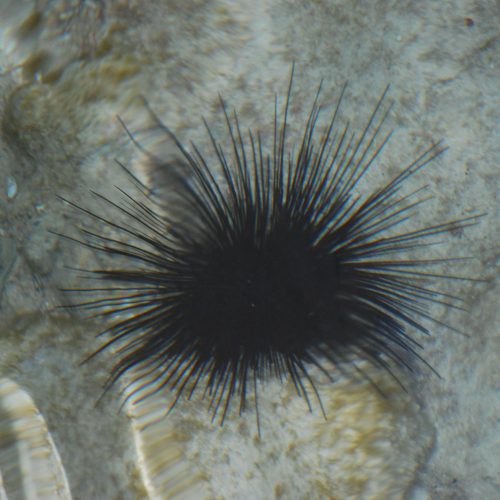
(265, 264)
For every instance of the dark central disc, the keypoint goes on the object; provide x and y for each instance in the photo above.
(260, 298)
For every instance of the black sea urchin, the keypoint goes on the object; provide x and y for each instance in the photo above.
(265, 264)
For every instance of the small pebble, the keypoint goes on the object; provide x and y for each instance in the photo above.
(11, 187)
